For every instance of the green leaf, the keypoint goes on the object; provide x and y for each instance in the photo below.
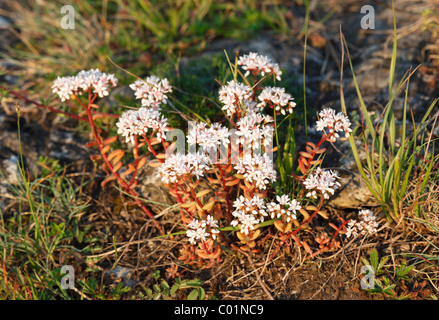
(374, 259)
(193, 283)
(393, 61)
(156, 288)
(193, 295)
(149, 293)
(403, 271)
(381, 265)
(365, 262)
(174, 289)
(165, 285)
(201, 293)
(156, 275)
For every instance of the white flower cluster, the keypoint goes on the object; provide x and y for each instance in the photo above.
(367, 224)
(137, 122)
(335, 122)
(208, 137)
(202, 229)
(93, 79)
(251, 107)
(258, 168)
(324, 181)
(283, 208)
(277, 98)
(178, 165)
(152, 91)
(253, 129)
(248, 213)
(254, 62)
(232, 95)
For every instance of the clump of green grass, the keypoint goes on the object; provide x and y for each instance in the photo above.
(135, 34)
(176, 25)
(397, 283)
(43, 235)
(182, 289)
(392, 160)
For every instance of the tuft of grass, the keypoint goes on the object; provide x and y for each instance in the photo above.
(391, 160)
(43, 235)
(401, 283)
(182, 289)
(135, 34)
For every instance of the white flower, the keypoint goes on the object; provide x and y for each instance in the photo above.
(178, 165)
(367, 224)
(284, 208)
(151, 91)
(277, 99)
(256, 63)
(211, 222)
(335, 123)
(324, 181)
(138, 122)
(245, 221)
(254, 129)
(248, 213)
(64, 87)
(251, 107)
(283, 200)
(232, 96)
(202, 229)
(94, 80)
(196, 232)
(258, 168)
(209, 138)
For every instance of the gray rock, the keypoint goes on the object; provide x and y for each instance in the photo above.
(10, 169)
(4, 23)
(124, 274)
(353, 193)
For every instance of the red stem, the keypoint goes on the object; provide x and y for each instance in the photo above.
(151, 148)
(110, 166)
(136, 164)
(226, 190)
(292, 233)
(180, 200)
(51, 109)
(71, 115)
(194, 197)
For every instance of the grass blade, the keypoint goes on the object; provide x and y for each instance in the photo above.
(393, 61)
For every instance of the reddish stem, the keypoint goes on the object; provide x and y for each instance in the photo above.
(194, 197)
(110, 166)
(226, 190)
(151, 148)
(51, 109)
(71, 115)
(164, 145)
(292, 233)
(313, 154)
(136, 164)
(180, 200)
